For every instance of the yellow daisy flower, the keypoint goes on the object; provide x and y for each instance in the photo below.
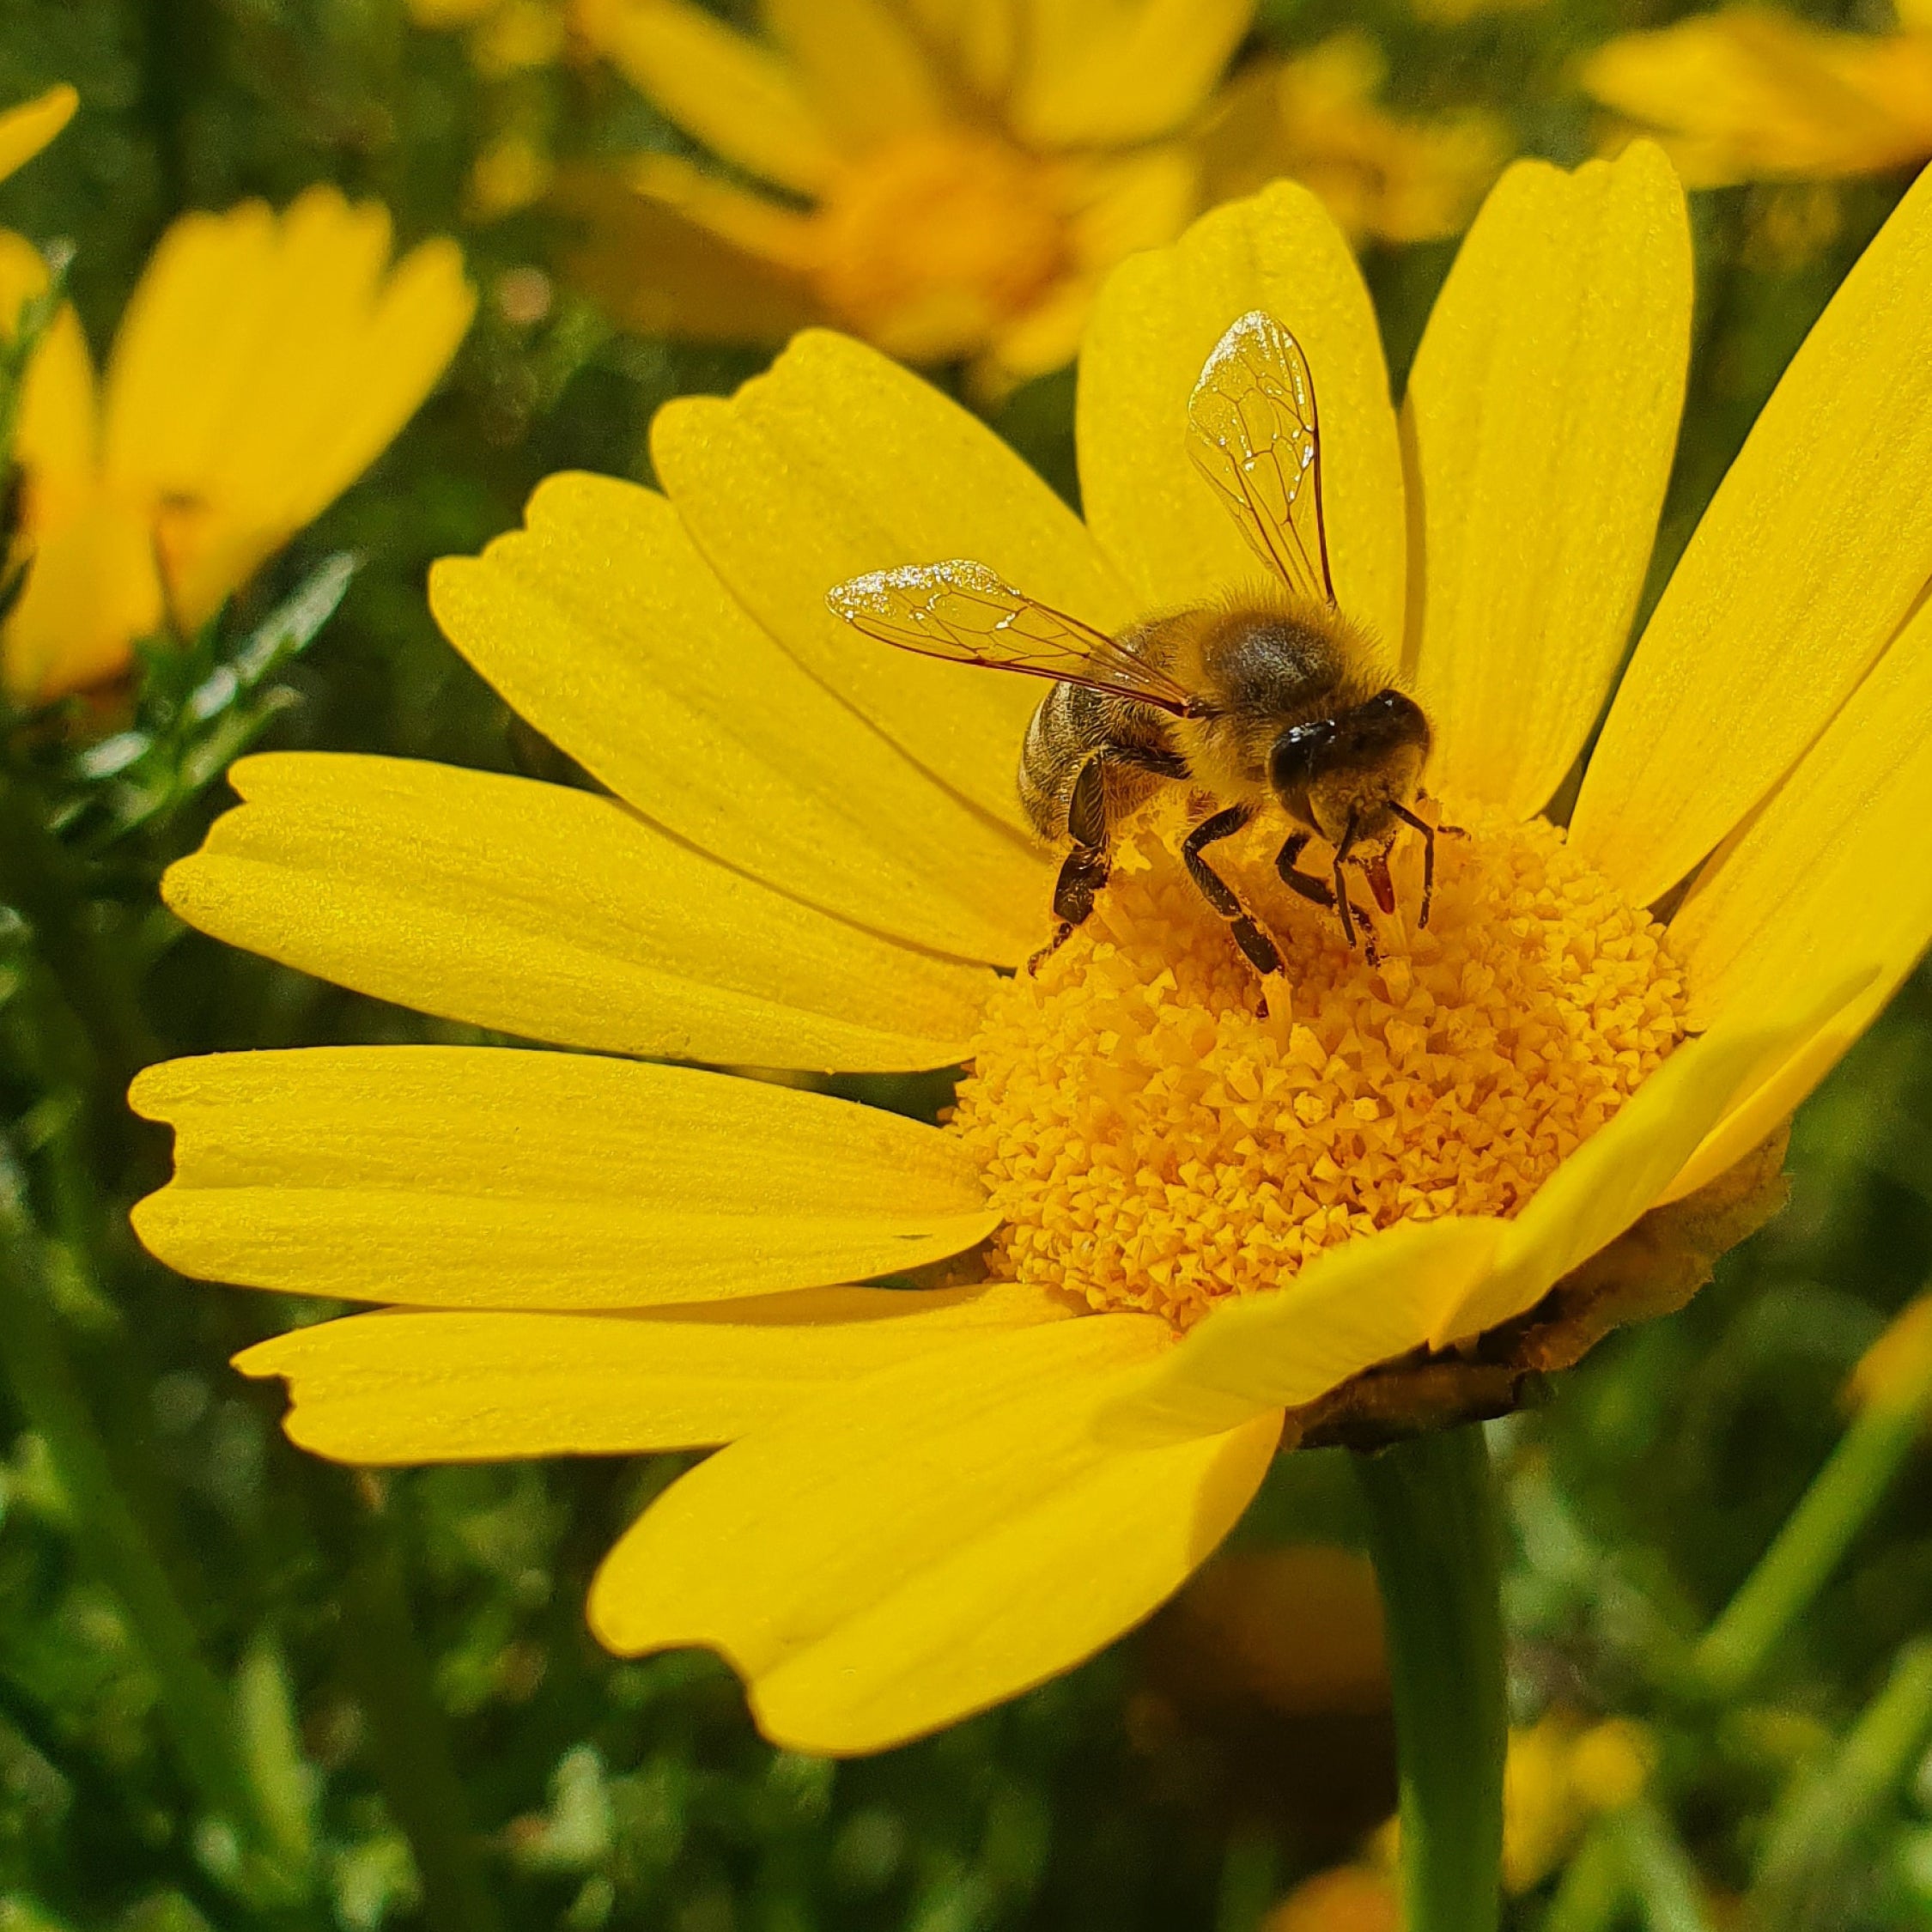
(971, 170)
(24, 130)
(1195, 1223)
(1748, 94)
(1315, 120)
(263, 362)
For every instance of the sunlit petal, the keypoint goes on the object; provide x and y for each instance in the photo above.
(936, 1538)
(481, 1177)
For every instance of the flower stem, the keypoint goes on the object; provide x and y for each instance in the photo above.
(1433, 1533)
(193, 1701)
(1818, 1830)
(408, 1734)
(1815, 1536)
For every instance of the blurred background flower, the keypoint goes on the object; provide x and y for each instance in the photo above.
(1750, 93)
(954, 181)
(263, 363)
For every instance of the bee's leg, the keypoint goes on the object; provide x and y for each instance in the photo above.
(1085, 869)
(1306, 883)
(1255, 943)
(1428, 833)
(1342, 905)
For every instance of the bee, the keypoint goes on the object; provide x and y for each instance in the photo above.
(1264, 700)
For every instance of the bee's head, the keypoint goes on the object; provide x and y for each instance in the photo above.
(1357, 764)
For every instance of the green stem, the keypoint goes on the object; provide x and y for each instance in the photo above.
(409, 1734)
(1433, 1532)
(1595, 1885)
(1816, 1830)
(1665, 1878)
(47, 885)
(194, 1704)
(1815, 1538)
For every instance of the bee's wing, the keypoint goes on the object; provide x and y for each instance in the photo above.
(961, 612)
(1254, 433)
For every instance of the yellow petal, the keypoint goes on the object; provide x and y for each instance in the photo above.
(980, 42)
(603, 626)
(24, 130)
(1357, 1305)
(55, 435)
(656, 256)
(1626, 1167)
(1157, 318)
(555, 914)
(487, 1177)
(752, 224)
(92, 590)
(1818, 883)
(838, 462)
(860, 64)
(1812, 550)
(1109, 78)
(739, 99)
(1132, 201)
(263, 362)
(195, 309)
(1540, 419)
(1757, 1114)
(1813, 886)
(933, 1539)
(1747, 93)
(398, 348)
(399, 1388)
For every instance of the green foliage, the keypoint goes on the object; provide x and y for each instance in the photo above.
(241, 1689)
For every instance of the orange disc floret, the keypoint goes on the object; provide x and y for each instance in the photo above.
(1157, 1140)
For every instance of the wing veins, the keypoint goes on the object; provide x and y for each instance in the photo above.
(961, 612)
(1254, 434)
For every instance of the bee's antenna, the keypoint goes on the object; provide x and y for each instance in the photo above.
(1428, 833)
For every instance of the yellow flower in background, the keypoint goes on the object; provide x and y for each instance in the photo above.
(1188, 1222)
(1560, 1774)
(1748, 94)
(24, 130)
(970, 170)
(263, 363)
(1315, 120)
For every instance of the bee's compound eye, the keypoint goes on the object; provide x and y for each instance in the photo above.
(1403, 721)
(1296, 756)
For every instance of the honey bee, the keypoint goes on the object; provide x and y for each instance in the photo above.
(1268, 699)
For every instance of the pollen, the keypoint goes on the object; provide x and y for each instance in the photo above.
(1161, 1130)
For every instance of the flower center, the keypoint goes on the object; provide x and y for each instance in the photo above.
(1155, 1141)
(933, 240)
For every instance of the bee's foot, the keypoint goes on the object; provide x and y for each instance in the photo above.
(1062, 933)
(1370, 951)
